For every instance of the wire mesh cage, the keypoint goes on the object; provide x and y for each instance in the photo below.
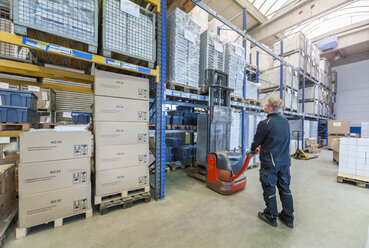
(235, 67)
(72, 19)
(126, 34)
(183, 54)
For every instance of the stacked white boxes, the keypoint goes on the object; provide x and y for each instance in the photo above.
(128, 34)
(365, 130)
(265, 60)
(314, 129)
(9, 50)
(183, 55)
(286, 101)
(54, 175)
(354, 156)
(293, 43)
(235, 67)
(271, 78)
(251, 123)
(252, 91)
(212, 54)
(121, 117)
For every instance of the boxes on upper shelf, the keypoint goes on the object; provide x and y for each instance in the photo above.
(7, 177)
(120, 109)
(46, 145)
(119, 85)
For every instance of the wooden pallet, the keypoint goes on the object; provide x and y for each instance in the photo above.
(6, 221)
(126, 193)
(183, 127)
(174, 167)
(237, 99)
(15, 126)
(21, 232)
(291, 110)
(184, 5)
(335, 161)
(359, 181)
(167, 169)
(253, 102)
(127, 201)
(184, 88)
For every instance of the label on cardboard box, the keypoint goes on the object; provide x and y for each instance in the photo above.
(336, 124)
(122, 179)
(121, 156)
(4, 85)
(119, 85)
(4, 140)
(53, 175)
(120, 109)
(44, 207)
(38, 146)
(67, 114)
(33, 88)
(121, 133)
(45, 96)
(190, 36)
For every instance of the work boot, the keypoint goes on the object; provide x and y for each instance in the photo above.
(267, 220)
(284, 220)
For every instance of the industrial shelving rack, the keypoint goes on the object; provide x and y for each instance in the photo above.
(157, 77)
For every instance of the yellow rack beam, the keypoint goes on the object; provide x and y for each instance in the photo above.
(45, 85)
(76, 54)
(40, 71)
(153, 2)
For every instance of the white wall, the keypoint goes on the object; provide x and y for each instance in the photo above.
(352, 102)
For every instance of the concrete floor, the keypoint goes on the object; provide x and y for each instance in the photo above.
(328, 214)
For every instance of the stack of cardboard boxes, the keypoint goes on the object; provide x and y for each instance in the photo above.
(54, 176)
(121, 134)
(337, 130)
(7, 189)
(354, 156)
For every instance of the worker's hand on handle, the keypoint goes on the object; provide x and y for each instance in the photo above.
(253, 153)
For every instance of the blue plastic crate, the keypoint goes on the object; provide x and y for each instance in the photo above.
(168, 119)
(185, 109)
(173, 142)
(81, 117)
(17, 98)
(175, 113)
(14, 114)
(177, 120)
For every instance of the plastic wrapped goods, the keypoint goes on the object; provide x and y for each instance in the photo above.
(235, 67)
(212, 54)
(183, 49)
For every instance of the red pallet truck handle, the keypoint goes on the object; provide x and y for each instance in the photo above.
(245, 164)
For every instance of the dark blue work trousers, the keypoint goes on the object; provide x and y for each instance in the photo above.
(270, 177)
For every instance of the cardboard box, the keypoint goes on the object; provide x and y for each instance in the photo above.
(338, 127)
(7, 201)
(335, 144)
(121, 156)
(121, 133)
(38, 146)
(9, 158)
(119, 85)
(52, 175)
(124, 179)
(331, 138)
(336, 156)
(44, 207)
(120, 109)
(7, 177)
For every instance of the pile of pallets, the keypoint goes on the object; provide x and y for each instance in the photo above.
(312, 145)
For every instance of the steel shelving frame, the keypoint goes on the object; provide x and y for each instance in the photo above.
(157, 77)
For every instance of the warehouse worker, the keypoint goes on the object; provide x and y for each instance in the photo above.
(273, 135)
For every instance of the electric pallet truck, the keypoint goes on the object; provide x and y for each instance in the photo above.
(300, 154)
(224, 168)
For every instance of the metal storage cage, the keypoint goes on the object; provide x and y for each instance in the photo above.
(73, 19)
(127, 34)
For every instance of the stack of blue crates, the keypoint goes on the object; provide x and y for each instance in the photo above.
(183, 116)
(81, 117)
(173, 142)
(18, 106)
(185, 154)
(169, 156)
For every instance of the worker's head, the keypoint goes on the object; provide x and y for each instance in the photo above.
(272, 105)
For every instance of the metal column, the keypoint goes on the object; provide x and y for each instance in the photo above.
(303, 114)
(243, 113)
(281, 76)
(160, 101)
